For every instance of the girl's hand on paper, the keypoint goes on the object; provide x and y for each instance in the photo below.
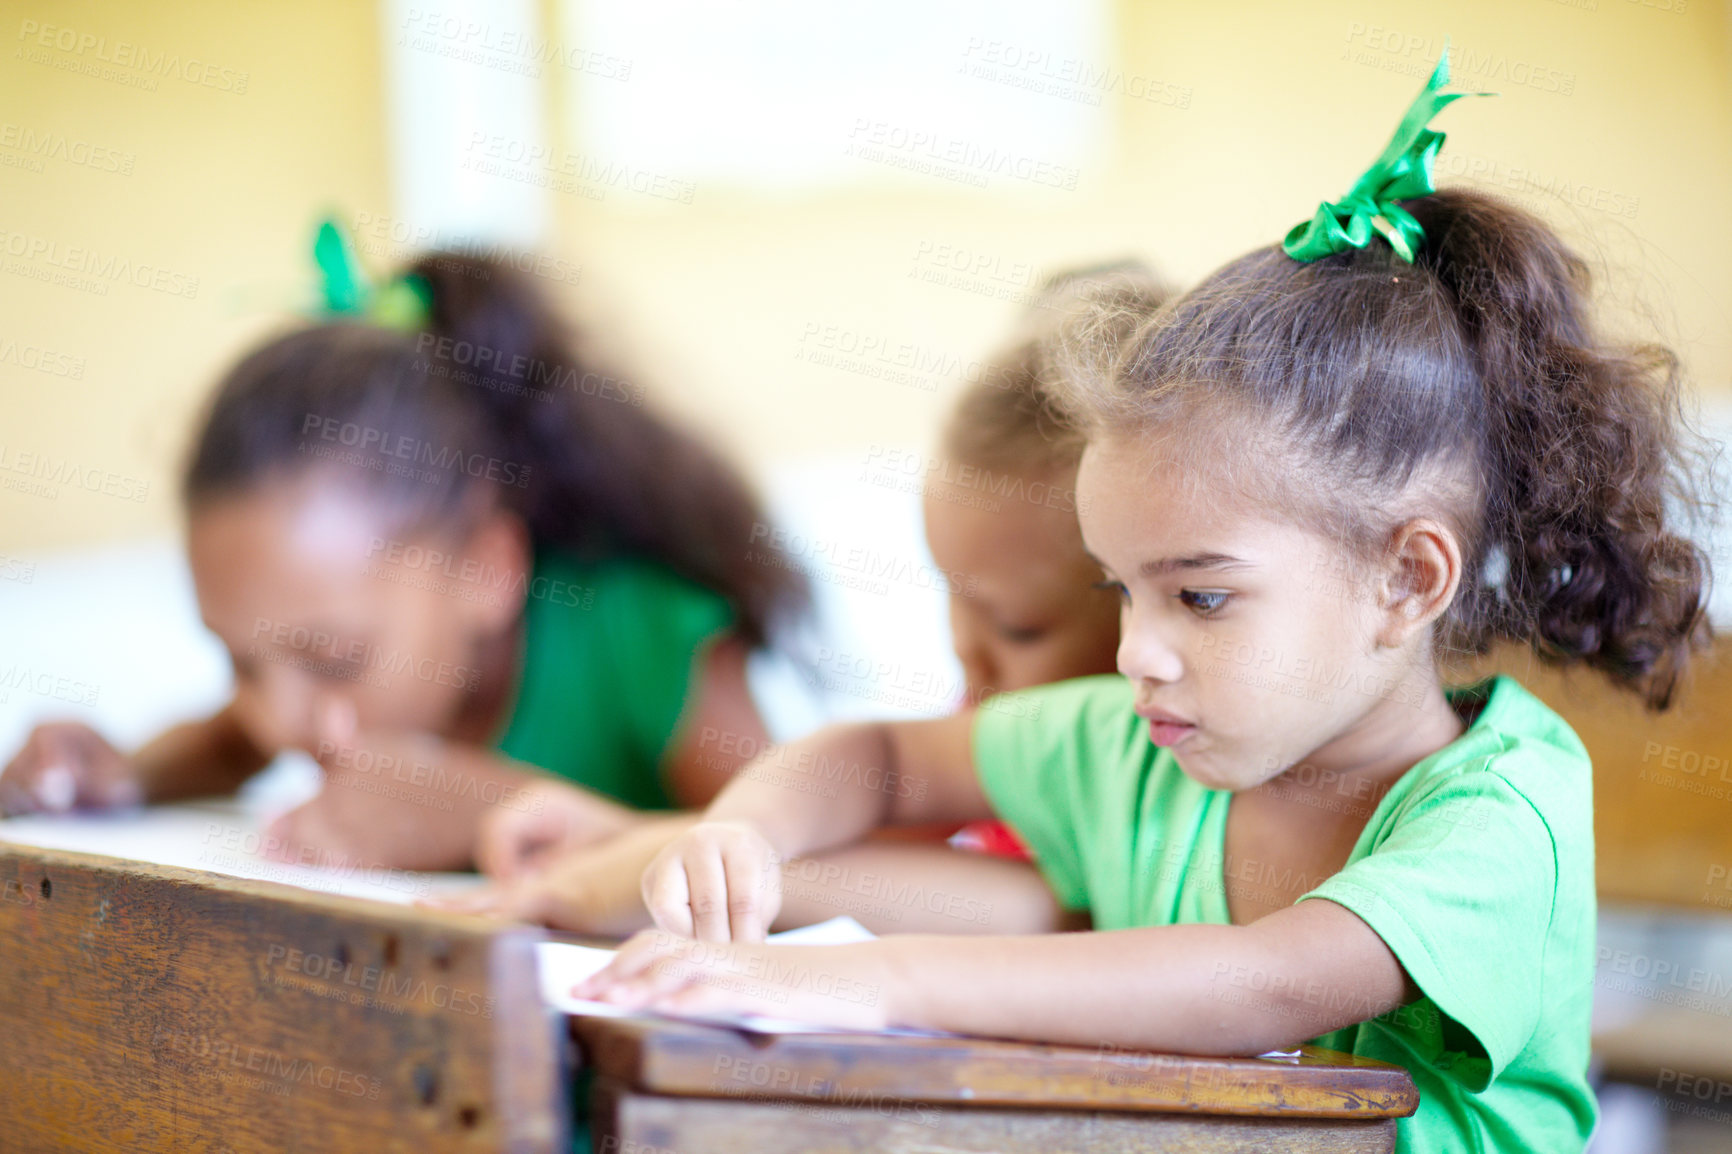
(67, 765)
(720, 881)
(397, 800)
(844, 986)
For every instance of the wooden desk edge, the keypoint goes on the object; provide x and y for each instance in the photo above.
(206, 879)
(692, 1060)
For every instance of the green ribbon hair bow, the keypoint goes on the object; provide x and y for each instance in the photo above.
(1401, 171)
(403, 303)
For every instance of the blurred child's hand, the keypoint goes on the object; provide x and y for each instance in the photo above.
(718, 882)
(66, 765)
(554, 819)
(570, 894)
(843, 986)
(591, 889)
(398, 801)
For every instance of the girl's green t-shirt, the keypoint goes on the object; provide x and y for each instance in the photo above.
(1476, 868)
(611, 651)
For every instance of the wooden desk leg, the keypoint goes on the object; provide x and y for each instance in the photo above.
(628, 1122)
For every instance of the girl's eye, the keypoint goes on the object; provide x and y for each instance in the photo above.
(1203, 602)
(1021, 635)
(1114, 587)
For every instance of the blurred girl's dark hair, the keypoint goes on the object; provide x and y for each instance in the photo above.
(1003, 419)
(494, 404)
(1470, 383)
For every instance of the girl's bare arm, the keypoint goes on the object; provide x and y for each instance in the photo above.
(1196, 989)
(721, 880)
(1199, 989)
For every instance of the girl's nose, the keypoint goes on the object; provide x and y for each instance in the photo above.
(1145, 654)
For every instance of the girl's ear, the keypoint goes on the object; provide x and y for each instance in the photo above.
(499, 543)
(1423, 572)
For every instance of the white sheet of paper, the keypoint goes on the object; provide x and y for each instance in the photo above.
(225, 837)
(563, 965)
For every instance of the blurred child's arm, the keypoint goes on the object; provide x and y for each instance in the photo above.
(415, 801)
(914, 888)
(549, 820)
(903, 888)
(722, 878)
(721, 729)
(198, 759)
(1199, 989)
(841, 783)
(66, 765)
(592, 889)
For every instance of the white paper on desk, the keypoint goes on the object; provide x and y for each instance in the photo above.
(562, 965)
(223, 836)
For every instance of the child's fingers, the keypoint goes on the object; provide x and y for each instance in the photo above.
(659, 977)
(696, 996)
(707, 879)
(500, 850)
(56, 788)
(526, 845)
(105, 778)
(42, 778)
(639, 951)
(288, 832)
(667, 895)
(751, 904)
(655, 984)
(15, 797)
(116, 792)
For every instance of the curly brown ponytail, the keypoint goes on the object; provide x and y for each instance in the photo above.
(1583, 452)
(1471, 384)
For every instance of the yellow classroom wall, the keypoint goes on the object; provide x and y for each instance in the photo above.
(203, 191)
(1621, 109)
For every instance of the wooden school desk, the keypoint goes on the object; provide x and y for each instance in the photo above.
(665, 1086)
(151, 1008)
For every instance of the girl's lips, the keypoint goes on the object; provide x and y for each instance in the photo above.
(1169, 733)
(1165, 728)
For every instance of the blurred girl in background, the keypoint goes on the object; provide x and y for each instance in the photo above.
(443, 546)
